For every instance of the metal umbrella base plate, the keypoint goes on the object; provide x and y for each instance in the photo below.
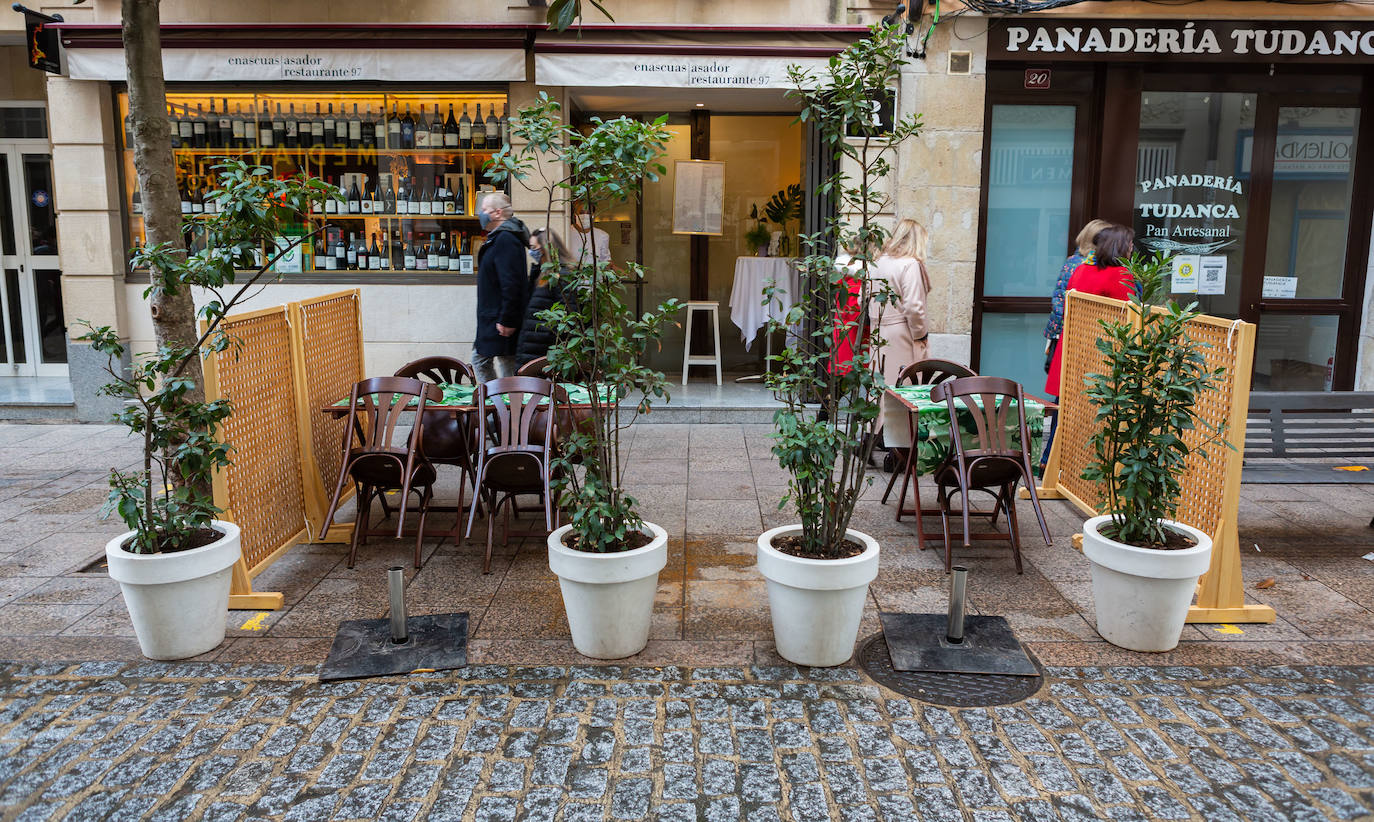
(364, 647)
(920, 642)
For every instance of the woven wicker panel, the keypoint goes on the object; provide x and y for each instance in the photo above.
(1080, 357)
(1204, 482)
(264, 482)
(333, 363)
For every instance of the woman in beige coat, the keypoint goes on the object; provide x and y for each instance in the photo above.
(901, 321)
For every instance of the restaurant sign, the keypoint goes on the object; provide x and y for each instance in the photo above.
(302, 64)
(1212, 41)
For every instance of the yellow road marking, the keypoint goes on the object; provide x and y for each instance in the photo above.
(1352, 468)
(255, 624)
(1229, 629)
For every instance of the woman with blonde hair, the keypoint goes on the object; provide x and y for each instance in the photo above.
(900, 321)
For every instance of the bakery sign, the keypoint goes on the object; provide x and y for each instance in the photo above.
(1212, 41)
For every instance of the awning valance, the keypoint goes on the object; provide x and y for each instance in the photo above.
(277, 64)
(670, 71)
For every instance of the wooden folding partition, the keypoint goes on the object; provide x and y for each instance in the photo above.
(292, 360)
(1211, 481)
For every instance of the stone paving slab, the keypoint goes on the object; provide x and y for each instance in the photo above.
(110, 740)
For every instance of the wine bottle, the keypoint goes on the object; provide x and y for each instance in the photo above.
(388, 198)
(421, 129)
(436, 129)
(351, 252)
(317, 207)
(441, 253)
(432, 254)
(408, 130)
(184, 191)
(505, 125)
(372, 129)
(479, 131)
(450, 130)
(340, 253)
(465, 129)
(375, 198)
(136, 206)
(198, 127)
(266, 135)
(450, 202)
(238, 135)
(304, 130)
(331, 205)
(355, 204)
(365, 204)
(173, 128)
(331, 259)
(355, 129)
(419, 204)
(397, 251)
(317, 128)
(291, 136)
(329, 129)
(185, 135)
(393, 129)
(209, 204)
(376, 261)
(227, 138)
(455, 250)
(436, 197)
(410, 261)
(402, 197)
(360, 252)
(493, 128)
(197, 201)
(460, 199)
(278, 128)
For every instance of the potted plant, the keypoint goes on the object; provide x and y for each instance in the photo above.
(174, 564)
(758, 237)
(818, 571)
(784, 207)
(607, 558)
(1145, 566)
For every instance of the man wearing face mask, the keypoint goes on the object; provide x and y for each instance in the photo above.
(502, 287)
(586, 238)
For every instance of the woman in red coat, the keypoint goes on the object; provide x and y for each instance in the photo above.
(1105, 276)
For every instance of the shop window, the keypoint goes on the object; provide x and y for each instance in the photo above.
(413, 167)
(1013, 346)
(23, 123)
(1192, 185)
(1030, 186)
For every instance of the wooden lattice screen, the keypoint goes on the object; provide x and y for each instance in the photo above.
(329, 346)
(1211, 483)
(261, 491)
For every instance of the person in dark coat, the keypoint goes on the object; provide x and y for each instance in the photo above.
(502, 288)
(535, 336)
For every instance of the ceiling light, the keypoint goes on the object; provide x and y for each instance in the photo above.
(701, 105)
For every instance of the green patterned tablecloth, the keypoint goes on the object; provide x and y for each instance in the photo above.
(932, 426)
(456, 394)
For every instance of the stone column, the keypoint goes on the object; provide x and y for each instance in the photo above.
(90, 239)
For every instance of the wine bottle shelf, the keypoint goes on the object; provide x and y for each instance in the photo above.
(322, 150)
(329, 218)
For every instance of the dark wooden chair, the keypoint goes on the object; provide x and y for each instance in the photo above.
(925, 372)
(537, 367)
(380, 457)
(994, 465)
(448, 436)
(517, 452)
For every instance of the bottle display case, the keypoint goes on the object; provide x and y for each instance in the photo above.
(412, 167)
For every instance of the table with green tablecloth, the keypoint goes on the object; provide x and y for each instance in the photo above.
(461, 398)
(909, 413)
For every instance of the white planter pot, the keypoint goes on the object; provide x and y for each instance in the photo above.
(816, 604)
(1142, 594)
(609, 598)
(178, 602)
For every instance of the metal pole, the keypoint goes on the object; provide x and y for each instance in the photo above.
(957, 586)
(396, 582)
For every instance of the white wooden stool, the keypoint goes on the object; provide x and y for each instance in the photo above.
(713, 358)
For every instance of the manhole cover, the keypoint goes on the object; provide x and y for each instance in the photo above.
(954, 690)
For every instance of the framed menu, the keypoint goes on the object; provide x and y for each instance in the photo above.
(698, 197)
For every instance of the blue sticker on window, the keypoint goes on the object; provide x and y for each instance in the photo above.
(40, 198)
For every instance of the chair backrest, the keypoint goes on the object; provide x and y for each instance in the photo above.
(933, 372)
(990, 403)
(445, 370)
(537, 367)
(377, 407)
(511, 405)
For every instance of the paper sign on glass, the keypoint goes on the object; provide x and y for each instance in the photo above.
(1280, 288)
(1185, 274)
(1212, 275)
(698, 196)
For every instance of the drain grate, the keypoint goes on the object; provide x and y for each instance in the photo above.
(954, 690)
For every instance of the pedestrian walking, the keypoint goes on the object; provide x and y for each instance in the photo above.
(503, 277)
(535, 335)
(1106, 276)
(901, 321)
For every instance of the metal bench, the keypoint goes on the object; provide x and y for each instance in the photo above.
(1309, 437)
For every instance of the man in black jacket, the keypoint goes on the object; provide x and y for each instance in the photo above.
(503, 271)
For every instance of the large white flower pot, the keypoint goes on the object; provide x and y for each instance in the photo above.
(1142, 594)
(609, 598)
(178, 602)
(816, 604)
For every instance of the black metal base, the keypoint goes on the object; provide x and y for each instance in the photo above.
(917, 643)
(953, 690)
(363, 647)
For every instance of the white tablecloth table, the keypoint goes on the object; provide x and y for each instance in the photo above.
(752, 275)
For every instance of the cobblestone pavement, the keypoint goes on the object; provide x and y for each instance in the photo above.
(222, 742)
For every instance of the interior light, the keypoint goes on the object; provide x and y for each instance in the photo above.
(701, 105)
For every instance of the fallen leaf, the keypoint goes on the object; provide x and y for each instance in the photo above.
(1307, 577)
(1267, 582)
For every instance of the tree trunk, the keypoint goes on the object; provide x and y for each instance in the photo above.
(174, 314)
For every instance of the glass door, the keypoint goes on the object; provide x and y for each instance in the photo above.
(33, 339)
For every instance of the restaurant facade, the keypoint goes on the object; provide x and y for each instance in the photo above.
(1244, 159)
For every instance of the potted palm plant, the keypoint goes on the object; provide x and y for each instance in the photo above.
(607, 558)
(1145, 566)
(174, 563)
(818, 571)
